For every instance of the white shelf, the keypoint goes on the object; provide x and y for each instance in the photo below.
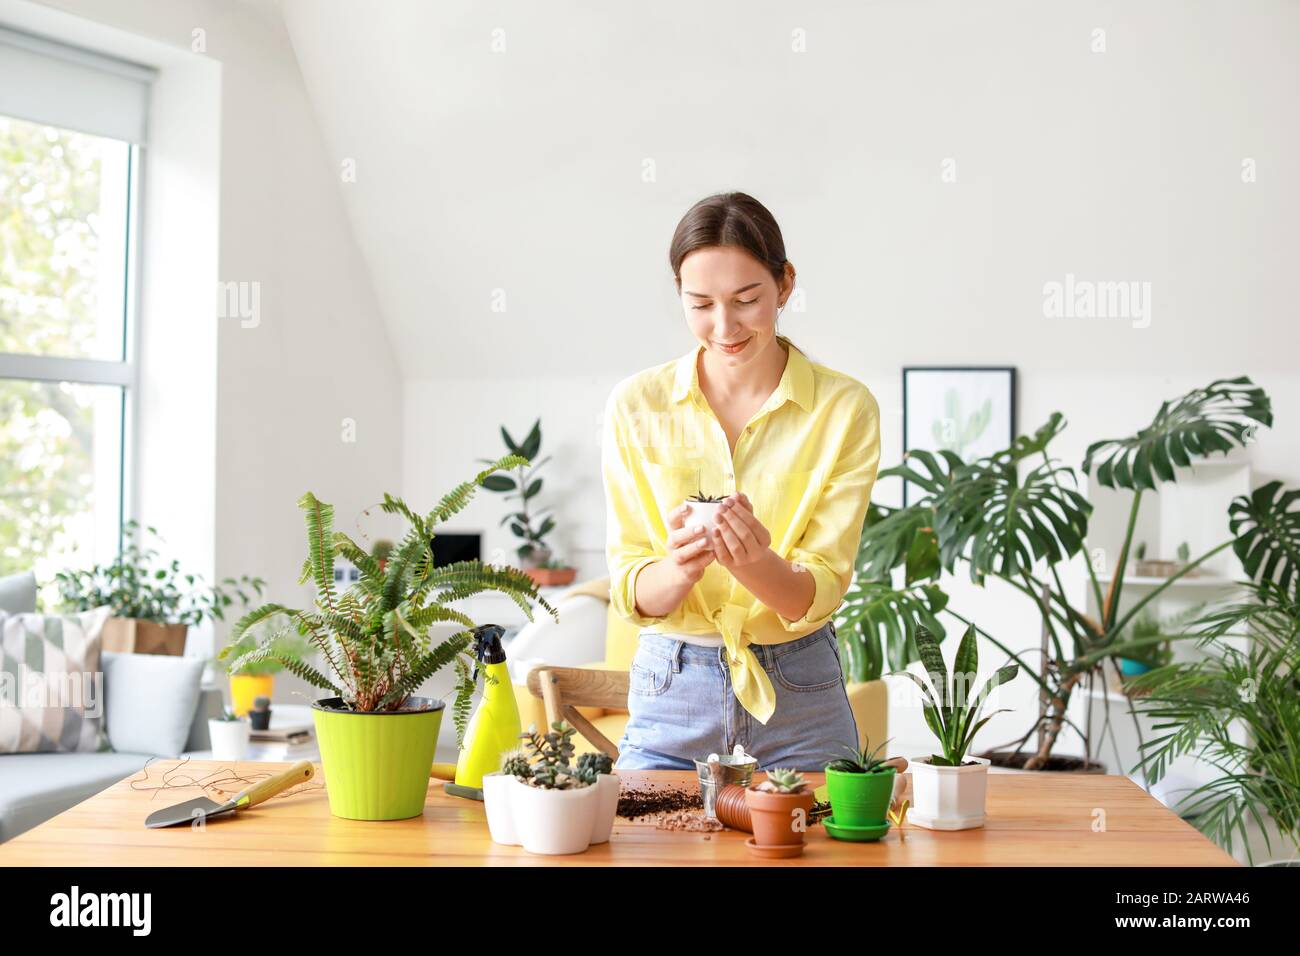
(1191, 581)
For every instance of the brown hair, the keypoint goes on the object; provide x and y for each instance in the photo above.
(729, 219)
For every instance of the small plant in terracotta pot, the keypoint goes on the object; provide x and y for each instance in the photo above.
(778, 810)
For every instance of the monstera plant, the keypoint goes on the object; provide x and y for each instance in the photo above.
(1017, 516)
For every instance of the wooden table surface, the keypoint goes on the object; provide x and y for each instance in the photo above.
(1044, 819)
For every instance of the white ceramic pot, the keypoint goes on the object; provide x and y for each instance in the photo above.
(948, 798)
(497, 787)
(703, 512)
(229, 739)
(554, 822)
(602, 822)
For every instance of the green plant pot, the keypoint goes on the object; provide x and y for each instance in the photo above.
(860, 799)
(377, 765)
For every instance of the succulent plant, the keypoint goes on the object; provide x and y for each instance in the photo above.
(516, 764)
(783, 781)
(598, 762)
(705, 499)
(552, 754)
(858, 761)
(261, 703)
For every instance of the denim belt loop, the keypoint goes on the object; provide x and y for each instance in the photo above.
(677, 655)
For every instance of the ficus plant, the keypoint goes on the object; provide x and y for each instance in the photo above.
(528, 523)
(373, 638)
(138, 584)
(1017, 516)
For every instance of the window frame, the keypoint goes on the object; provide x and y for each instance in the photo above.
(121, 373)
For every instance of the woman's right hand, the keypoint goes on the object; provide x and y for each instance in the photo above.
(689, 550)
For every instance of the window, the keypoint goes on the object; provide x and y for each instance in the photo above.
(67, 255)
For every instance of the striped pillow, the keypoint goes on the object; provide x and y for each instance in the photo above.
(52, 683)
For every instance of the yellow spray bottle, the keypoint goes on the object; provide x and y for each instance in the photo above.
(495, 727)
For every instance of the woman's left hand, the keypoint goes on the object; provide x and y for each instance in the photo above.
(740, 538)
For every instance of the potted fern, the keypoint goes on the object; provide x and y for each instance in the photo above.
(948, 789)
(376, 737)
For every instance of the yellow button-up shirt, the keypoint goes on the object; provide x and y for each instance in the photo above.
(807, 461)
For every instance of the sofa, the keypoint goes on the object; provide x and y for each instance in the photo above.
(146, 700)
(589, 634)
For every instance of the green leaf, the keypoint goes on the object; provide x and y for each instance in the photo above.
(1216, 418)
(499, 483)
(1266, 526)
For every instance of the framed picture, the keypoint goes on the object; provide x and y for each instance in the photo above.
(969, 410)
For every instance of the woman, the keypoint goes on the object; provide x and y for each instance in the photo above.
(736, 643)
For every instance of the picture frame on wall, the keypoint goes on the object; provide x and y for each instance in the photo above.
(969, 410)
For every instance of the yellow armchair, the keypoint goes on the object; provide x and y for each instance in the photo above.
(869, 701)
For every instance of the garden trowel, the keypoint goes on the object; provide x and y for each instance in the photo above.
(201, 808)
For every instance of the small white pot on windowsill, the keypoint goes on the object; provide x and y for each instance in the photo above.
(948, 798)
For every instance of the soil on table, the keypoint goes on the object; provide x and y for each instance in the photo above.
(652, 799)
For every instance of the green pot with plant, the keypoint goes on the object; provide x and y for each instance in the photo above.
(1017, 516)
(949, 788)
(528, 522)
(154, 602)
(377, 739)
(861, 786)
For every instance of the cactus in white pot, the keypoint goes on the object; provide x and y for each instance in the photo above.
(949, 788)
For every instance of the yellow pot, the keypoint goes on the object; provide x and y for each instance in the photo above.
(244, 688)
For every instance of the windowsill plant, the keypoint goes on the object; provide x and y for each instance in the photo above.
(377, 738)
(154, 603)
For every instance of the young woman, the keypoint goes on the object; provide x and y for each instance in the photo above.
(736, 644)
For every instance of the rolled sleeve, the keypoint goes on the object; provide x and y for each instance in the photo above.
(829, 546)
(628, 546)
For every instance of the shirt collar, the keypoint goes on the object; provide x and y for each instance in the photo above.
(796, 381)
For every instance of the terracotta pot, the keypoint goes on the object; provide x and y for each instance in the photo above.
(129, 635)
(779, 819)
(732, 810)
(551, 577)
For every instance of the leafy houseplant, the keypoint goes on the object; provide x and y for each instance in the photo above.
(1150, 655)
(1016, 516)
(779, 809)
(534, 554)
(154, 603)
(1196, 706)
(546, 801)
(861, 787)
(948, 789)
(257, 677)
(377, 739)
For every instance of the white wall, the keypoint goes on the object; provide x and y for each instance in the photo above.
(319, 353)
(523, 173)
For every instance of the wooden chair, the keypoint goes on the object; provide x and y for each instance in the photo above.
(564, 689)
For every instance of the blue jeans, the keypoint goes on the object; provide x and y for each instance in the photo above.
(681, 706)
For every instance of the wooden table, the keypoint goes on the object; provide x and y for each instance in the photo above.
(1043, 819)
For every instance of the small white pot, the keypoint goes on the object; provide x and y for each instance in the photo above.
(703, 512)
(948, 798)
(602, 822)
(554, 822)
(497, 787)
(229, 739)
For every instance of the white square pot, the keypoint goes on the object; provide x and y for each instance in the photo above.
(948, 798)
(229, 739)
(496, 802)
(554, 822)
(602, 823)
(702, 512)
